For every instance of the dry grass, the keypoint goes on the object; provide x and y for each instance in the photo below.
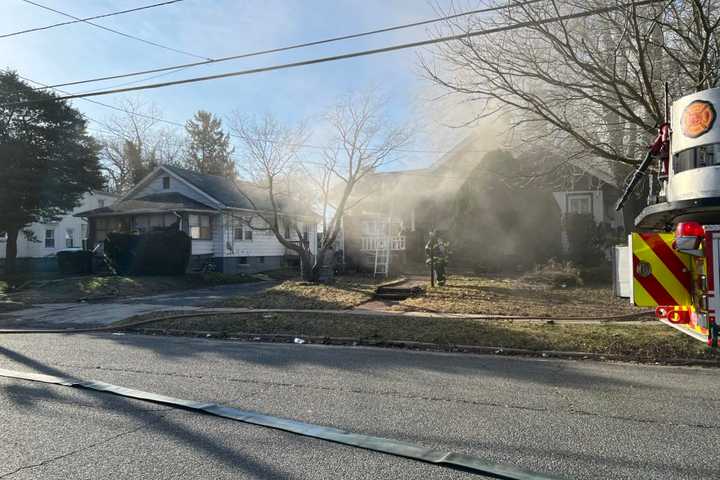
(345, 292)
(649, 341)
(505, 296)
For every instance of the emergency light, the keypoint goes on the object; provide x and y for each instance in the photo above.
(688, 235)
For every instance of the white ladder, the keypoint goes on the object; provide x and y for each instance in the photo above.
(382, 261)
(382, 252)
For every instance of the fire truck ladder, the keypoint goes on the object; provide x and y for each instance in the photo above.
(382, 253)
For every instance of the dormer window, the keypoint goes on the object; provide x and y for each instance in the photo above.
(166, 183)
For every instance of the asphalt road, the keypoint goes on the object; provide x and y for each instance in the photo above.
(97, 313)
(574, 419)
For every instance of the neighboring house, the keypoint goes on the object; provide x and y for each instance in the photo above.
(395, 211)
(220, 216)
(42, 240)
(591, 188)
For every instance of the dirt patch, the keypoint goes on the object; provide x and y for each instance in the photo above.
(345, 292)
(646, 341)
(515, 296)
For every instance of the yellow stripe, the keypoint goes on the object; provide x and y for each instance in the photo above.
(661, 272)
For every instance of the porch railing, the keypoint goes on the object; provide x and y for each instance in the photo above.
(380, 243)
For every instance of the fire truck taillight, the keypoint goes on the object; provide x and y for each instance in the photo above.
(688, 235)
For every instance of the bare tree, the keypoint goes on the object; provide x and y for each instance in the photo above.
(133, 144)
(362, 140)
(589, 85)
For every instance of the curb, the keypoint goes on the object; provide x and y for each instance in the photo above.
(411, 345)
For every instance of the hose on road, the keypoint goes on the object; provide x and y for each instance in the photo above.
(458, 461)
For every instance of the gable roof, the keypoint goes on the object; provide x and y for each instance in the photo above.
(235, 194)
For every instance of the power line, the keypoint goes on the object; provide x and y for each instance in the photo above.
(181, 125)
(345, 56)
(111, 14)
(298, 45)
(117, 32)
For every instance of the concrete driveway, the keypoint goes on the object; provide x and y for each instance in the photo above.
(84, 314)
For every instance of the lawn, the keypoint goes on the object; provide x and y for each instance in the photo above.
(515, 296)
(345, 292)
(94, 287)
(647, 341)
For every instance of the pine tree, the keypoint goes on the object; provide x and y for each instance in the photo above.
(47, 159)
(209, 150)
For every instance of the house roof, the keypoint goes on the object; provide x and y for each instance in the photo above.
(154, 203)
(231, 193)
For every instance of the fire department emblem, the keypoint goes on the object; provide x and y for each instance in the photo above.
(697, 118)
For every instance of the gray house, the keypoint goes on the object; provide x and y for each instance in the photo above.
(222, 217)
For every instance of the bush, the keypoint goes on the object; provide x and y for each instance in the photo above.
(156, 253)
(75, 262)
(555, 274)
(586, 239)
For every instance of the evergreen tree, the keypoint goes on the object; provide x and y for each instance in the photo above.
(209, 150)
(47, 159)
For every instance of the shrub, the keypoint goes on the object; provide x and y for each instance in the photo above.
(157, 253)
(586, 239)
(555, 274)
(75, 262)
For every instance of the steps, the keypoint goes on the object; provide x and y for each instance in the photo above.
(396, 292)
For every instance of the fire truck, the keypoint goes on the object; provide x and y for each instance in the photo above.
(675, 248)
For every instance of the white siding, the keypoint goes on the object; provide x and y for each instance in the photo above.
(597, 202)
(263, 243)
(155, 185)
(200, 247)
(37, 249)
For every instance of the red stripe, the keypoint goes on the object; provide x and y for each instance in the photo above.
(653, 287)
(668, 257)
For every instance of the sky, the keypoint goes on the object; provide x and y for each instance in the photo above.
(215, 28)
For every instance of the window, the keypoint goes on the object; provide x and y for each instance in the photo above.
(200, 227)
(50, 238)
(166, 183)
(83, 231)
(101, 203)
(243, 232)
(705, 156)
(261, 259)
(287, 230)
(243, 260)
(579, 203)
(69, 238)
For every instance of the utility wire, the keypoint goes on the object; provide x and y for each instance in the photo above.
(126, 35)
(299, 45)
(111, 14)
(181, 125)
(344, 56)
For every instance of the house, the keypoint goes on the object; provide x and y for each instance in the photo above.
(589, 187)
(39, 242)
(399, 209)
(222, 216)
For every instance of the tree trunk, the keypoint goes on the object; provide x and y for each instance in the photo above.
(306, 267)
(11, 249)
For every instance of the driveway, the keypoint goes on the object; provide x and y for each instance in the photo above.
(84, 314)
(576, 420)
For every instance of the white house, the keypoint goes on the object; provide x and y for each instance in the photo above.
(68, 232)
(222, 216)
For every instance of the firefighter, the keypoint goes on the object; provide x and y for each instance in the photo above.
(437, 252)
